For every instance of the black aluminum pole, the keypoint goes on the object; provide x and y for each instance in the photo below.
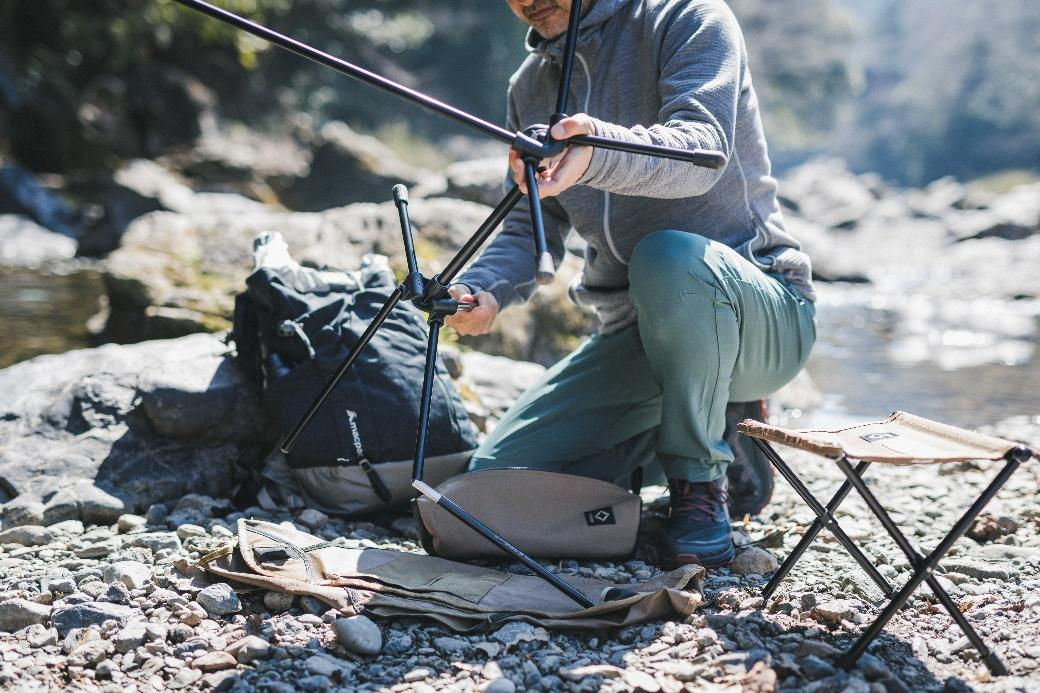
(429, 374)
(569, 48)
(350, 70)
(497, 539)
(545, 271)
(414, 280)
(924, 569)
(471, 246)
(377, 321)
(810, 536)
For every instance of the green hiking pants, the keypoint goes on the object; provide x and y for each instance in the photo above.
(711, 328)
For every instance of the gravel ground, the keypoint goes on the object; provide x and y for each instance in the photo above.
(121, 608)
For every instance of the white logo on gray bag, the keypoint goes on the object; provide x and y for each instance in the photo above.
(355, 433)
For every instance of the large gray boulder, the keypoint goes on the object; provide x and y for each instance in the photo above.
(477, 180)
(178, 273)
(95, 433)
(348, 167)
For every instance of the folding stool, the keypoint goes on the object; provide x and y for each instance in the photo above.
(901, 439)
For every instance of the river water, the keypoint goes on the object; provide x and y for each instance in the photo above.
(963, 362)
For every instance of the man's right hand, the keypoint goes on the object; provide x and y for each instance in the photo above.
(476, 321)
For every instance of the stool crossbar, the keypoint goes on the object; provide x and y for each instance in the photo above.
(901, 439)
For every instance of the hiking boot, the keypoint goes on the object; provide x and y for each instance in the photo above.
(750, 474)
(697, 530)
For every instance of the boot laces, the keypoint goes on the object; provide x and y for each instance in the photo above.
(697, 501)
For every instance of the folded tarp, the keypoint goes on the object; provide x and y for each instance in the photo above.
(387, 584)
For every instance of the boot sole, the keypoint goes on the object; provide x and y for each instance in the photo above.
(714, 560)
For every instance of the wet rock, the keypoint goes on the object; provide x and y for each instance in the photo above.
(219, 599)
(16, 614)
(754, 561)
(358, 634)
(23, 243)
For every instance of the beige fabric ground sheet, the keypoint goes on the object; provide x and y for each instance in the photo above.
(384, 583)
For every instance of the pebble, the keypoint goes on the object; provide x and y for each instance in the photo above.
(312, 519)
(65, 618)
(215, 661)
(754, 561)
(449, 645)
(219, 599)
(27, 535)
(358, 634)
(156, 541)
(133, 574)
(249, 648)
(416, 675)
(501, 685)
(278, 602)
(130, 637)
(129, 523)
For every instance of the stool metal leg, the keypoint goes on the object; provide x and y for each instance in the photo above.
(825, 517)
(810, 536)
(923, 568)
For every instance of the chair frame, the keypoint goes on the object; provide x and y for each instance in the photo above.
(923, 566)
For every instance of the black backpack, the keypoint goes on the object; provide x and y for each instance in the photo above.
(293, 326)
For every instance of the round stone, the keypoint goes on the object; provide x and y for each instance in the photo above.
(219, 599)
(358, 634)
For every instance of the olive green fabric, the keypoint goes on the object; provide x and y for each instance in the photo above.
(712, 328)
(388, 584)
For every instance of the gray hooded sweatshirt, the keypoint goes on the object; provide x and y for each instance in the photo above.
(667, 72)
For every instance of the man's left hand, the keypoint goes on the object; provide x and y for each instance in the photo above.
(565, 169)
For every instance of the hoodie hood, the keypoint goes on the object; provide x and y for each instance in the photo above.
(601, 11)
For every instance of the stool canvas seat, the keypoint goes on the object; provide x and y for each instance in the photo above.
(901, 439)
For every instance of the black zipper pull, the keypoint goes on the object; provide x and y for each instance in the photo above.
(377, 483)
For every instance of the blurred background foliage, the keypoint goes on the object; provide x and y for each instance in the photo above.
(913, 89)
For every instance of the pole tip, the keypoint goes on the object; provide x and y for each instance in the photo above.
(400, 194)
(546, 270)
